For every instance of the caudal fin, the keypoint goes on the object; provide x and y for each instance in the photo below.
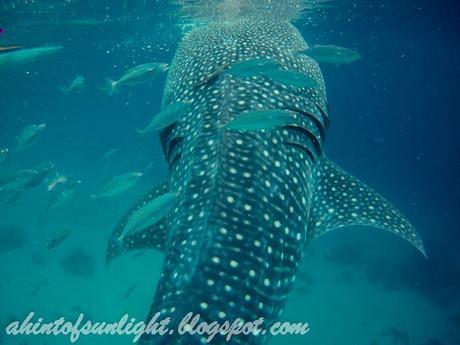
(164, 67)
(341, 200)
(110, 86)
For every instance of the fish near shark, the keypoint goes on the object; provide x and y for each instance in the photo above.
(332, 54)
(249, 202)
(62, 195)
(166, 117)
(15, 57)
(260, 120)
(118, 184)
(28, 136)
(22, 179)
(136, 75)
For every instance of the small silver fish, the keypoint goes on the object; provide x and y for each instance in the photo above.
(332, 54)
(150, 213)
(61, 196)
(291, 78)
(77, 84)
(118, 185)
(28, 136)
(252, 67)
(110, 153)
(136, 75)
(213, 76)
(260, 119)
(26, 55)
(57, 238)
(20, 180)
(167, 116)
(57, 181)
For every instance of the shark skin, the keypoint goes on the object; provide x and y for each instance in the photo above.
(250, 202)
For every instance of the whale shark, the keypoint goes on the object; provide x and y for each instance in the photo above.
(249, 202)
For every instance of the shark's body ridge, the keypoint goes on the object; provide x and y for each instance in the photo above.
(249, 201)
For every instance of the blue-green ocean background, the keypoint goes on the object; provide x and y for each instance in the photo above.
(394, 124)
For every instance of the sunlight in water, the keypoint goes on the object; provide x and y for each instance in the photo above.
(212, 10)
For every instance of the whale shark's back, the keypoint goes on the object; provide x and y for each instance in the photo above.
(243, 195)
(227, 42)
(249, 201)
(198, 75)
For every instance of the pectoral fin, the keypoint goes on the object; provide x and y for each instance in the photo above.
(341, 200)
(152, 237)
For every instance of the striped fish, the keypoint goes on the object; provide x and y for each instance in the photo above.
(291, 78)
(150, 213)
(252, 67)
(260, 119)
(166, 117)
(332, 54)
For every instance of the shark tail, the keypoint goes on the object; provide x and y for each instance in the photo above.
(116, 247)
(342, 201)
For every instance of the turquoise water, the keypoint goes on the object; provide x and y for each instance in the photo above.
(393, 125)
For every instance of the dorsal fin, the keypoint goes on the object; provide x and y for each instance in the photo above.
(340, 200)
(153, 237)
